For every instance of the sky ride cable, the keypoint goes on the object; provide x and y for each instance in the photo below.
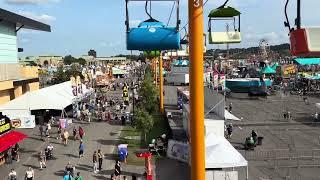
(174, 3)
(188, 23)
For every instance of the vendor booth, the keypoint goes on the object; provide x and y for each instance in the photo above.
(56, 97)
(8, 137)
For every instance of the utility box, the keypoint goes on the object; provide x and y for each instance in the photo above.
(221, 175)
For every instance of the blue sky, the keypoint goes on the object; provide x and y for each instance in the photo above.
(80, 25)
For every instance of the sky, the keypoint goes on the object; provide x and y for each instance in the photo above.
(80, 25)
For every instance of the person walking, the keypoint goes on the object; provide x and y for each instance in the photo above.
(42, 160)
(95, 162)
(78, 177)
(74, 133)
(230, 107)
(15, 152)
(81, 149)
(41, 131)
(68, 176)
(59, 135)
(65, 137)
(100, 157)
(81, 132)
(29, 174)
(12, 175)
(117, 170)
(229, 130)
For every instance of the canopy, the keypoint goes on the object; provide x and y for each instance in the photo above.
(117, 71)
(229, 116)
(274, 66)
(56, 97)
(224, 12)
(307, 61)
(268, 70)
(221, 154)
(9, 139)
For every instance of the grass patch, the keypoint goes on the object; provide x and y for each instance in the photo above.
(160, 127)
(133, 145)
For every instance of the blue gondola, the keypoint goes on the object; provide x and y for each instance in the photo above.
(152, 34)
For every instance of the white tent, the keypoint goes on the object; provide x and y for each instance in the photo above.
(221, 154)
(318, 105)
(55, 97)
(229, 116)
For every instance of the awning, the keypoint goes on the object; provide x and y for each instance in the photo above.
(268, 70)
(229, 116)
(307, 61)
(221, 154)
(23, 22)
(9, 139)
(55, 97)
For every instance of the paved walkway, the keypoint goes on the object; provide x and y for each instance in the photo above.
(98, 136)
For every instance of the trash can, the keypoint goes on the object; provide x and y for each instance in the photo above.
(260, 140)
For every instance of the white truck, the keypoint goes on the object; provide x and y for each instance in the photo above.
(177, 79)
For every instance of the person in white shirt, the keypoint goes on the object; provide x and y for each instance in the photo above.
(30, 174)
(12, 175)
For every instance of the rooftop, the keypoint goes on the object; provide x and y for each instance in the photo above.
(23, 22)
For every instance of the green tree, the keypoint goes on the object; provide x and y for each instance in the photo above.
(82, 61)
(67, 60)
(143, 121)
(148, 94)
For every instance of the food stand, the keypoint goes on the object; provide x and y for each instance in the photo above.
(8, 137)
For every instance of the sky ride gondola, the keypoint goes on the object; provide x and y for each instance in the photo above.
(304, 42)
(225, 13)
(152, 34)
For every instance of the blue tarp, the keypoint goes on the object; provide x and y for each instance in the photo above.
(307, 61)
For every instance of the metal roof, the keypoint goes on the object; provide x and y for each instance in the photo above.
(23, 22)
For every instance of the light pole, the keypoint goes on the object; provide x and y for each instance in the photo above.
(196, 30)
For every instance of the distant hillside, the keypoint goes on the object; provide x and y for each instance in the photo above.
(275, 51)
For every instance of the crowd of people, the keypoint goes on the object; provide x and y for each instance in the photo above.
(97, 107)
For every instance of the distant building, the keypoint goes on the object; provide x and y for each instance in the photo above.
(92, 53)
(15, 79)
(49, 60)
(112, 60)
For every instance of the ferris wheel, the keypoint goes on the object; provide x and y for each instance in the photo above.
(264, 47)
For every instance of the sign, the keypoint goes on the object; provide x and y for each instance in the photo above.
(222, 81)
(63, 123)
(178, 150)
(5, 124)
(289, 70)
(26, 122)
(125, 94)
(215, 80)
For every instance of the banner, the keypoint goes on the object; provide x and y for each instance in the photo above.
(63, 123)
(24, 122)
(289, 70)
(5, 124)
(215, 80)
(178, 150)
(222, 81)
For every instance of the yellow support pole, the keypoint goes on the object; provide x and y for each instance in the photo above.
(155, 71)
(161, 84)
(196, 30)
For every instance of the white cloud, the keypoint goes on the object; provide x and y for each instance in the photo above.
(42, 17)
(33, 2)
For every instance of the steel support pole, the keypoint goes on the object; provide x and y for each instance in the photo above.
(196, 30)
(161, 84)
